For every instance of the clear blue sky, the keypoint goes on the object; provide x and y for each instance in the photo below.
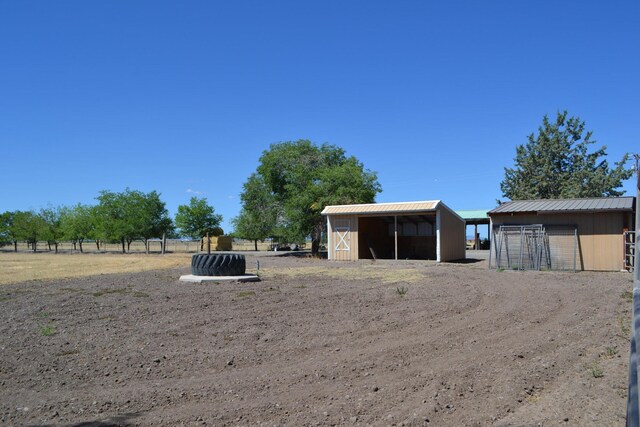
(183, 97)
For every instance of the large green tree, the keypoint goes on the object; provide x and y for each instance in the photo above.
(304, 178)
(259, 214)
(556, 163)
(197, 219)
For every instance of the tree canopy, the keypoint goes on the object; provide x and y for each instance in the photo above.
(130, 215)
(78, 223)
(258, 218)
(301, 179)
(557, 163)
(118, 217)
(198, 218)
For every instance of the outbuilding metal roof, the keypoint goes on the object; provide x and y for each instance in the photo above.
(382, 208)
(598, 204)
(475, 214)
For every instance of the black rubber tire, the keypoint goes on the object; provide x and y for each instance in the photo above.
(218, 265)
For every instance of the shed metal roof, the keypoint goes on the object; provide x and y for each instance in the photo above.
(382, 208)
(476, 214)
(598, 204)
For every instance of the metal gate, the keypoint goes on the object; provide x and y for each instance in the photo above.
(629, 250)
(534, 247)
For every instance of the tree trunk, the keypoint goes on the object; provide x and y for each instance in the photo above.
(55, 244)
(80, 244)
(15, 246)
(35, 245)
(123, 251)
(255, 242)
(316, 235)
(129, 245)
(164, 243)
(146, 246)
(315, 245)
(74, 245)
(49, 245)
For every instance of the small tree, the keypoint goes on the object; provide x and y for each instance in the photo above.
(78, 224)
(52, 230)
(27, 226)
(153, 217)
(111, 218)
(259, 214)
(197, 219)
(556, 164)
(6, 230)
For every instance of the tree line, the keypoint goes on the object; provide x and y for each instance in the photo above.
(118, 217)
(295, 180)
(282, 200)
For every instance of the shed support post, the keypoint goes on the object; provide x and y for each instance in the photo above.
(476, 238)
(438, 241)
(395, 236)
(329, 233)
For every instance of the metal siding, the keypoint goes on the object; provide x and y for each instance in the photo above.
(599, 235)
(452, 235)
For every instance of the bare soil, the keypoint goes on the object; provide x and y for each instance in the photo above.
(318, 343)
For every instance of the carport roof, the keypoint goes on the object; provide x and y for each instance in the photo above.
(597, 204)
(474, 215)
(382, 208)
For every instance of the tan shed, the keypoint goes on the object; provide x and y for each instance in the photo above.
(562, 234)
(408, 230)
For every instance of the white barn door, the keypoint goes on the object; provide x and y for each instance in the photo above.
(342, 241)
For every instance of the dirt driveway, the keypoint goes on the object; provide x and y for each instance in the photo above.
(318, 343)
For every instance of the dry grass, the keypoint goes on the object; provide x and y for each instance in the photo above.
(380, 273)
(21, 267)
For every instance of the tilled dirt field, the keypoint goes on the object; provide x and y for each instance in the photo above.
(318, 343)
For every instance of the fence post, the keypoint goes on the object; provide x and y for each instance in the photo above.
(633, 402)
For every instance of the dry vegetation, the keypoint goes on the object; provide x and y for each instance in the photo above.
(23, 267)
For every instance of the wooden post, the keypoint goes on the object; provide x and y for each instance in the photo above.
(208, 244)
(164, 243)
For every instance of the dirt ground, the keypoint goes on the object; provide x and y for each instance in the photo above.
(318, 343)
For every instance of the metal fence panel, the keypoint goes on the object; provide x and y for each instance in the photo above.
(535, 247)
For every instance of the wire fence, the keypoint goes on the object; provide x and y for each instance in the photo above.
(137, 246)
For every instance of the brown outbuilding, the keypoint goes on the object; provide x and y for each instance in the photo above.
(562, 234)
(427, 230)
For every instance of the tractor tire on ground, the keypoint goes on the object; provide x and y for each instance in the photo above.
(218, 265)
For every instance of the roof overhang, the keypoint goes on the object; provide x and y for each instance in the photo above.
(400, 208)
